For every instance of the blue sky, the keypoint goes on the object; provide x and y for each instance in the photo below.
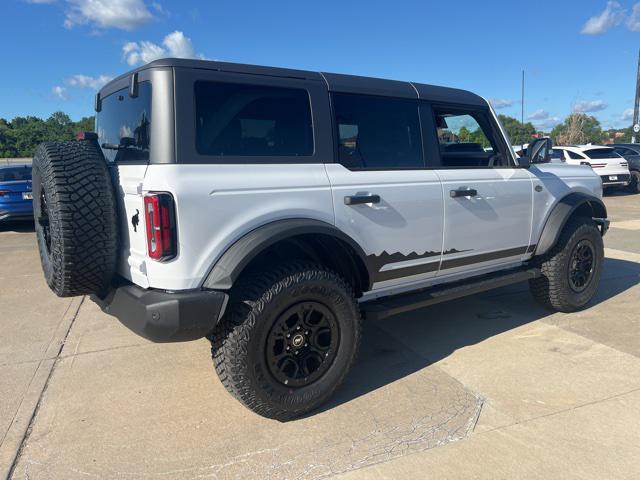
(578, 55)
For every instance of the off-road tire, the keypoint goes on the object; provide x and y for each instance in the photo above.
(553, 289)
(238, 343)
(634, 182)
(78, 236)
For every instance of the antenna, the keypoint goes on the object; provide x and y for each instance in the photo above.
(522, 99)
(522, 108)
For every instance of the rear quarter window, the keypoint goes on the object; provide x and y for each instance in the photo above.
(242, 120)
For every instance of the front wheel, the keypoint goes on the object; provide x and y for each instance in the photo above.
(571, 270)
(288, 339)
(634, 183)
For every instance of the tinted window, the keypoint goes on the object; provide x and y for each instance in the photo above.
(624, 151)
(252, 120)
(466, 140)
(15, 174)
(600, 153)
(124, 124)
(377, 132)
(574, 155)
(556, 154)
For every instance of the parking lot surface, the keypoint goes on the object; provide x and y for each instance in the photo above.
(490, 386)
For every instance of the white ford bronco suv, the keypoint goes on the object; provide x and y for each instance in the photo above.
(266, 208)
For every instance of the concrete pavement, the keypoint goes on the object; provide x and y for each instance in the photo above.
(490, 386)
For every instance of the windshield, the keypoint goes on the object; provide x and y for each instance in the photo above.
(601, 153)
(124, 125)
(15, 174)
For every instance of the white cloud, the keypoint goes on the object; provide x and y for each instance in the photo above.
(122, 14)
(613, 15)
(85, 81)
(499, 103)
(59, 92)
(547, 124)
(539, 115)
(175, 45)
(633, 22)
(586, 106)
(627, 115)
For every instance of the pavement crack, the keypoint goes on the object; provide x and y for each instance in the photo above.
(29, 428)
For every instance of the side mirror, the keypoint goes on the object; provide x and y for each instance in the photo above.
(540, 151)
(523, 161)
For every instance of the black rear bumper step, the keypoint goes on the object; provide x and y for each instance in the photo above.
(393, 305)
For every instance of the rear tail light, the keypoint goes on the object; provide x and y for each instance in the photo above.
(160, 219)
(4, 192)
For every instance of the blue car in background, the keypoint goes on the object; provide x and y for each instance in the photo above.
(16, 199)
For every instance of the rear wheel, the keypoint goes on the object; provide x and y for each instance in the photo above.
(634, 183)
(288, 339)
(571, 270)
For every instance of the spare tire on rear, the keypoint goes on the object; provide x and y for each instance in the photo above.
(75, 217)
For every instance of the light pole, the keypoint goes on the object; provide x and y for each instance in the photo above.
(636, 126)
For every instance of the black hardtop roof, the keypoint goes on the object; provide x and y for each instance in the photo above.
(336, 82)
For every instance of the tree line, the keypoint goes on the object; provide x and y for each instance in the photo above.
(21, 136)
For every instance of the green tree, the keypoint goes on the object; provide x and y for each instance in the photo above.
(21, 136)
(519, 133)
(577, 128)
(464, 134)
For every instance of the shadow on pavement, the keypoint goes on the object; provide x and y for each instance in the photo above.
(437, 331)
(19, 227)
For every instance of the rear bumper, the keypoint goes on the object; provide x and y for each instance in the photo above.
(164, 316)
(621, 181)
(16, 215)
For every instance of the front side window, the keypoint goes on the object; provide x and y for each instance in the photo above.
(15, 174)
(574, 155)
(377, 133)
(252, 120)
(556, 154)
(124, 125)
(466, 140)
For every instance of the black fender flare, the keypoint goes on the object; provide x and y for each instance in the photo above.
(561, 213)
(233, 261)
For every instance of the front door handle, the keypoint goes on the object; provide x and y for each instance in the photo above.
(360, 199)
(466, 192)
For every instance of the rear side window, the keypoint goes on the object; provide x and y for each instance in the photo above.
(124, 125)
(252, 120)
(601, 153)
(15, 174)
(377, 133)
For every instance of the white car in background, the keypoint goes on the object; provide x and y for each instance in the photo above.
(612, 168)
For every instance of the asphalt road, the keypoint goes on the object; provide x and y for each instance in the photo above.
(490, 386)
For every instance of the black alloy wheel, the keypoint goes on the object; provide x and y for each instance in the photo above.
(302, 343)
(43, 221)
(581, 265)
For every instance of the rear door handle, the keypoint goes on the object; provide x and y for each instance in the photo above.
(360, 199)
(466, 192)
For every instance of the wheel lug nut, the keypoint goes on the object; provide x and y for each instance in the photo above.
(306, 344)
(288, 335)
(299, 327)
(296, 352)
(306, 332)
(288, 348)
